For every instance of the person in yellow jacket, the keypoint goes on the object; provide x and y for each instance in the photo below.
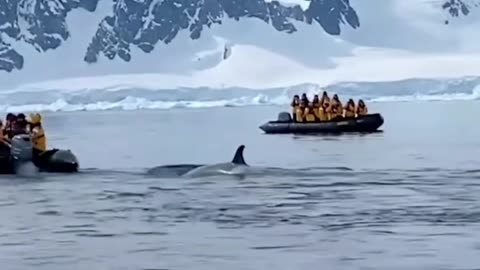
(39, 139)
(325, 98)
(295, 104)
(300, 113)
(350, 109)
(324, 111)
(336, 107)
(361, 108)
(315, 106)
(309, 114)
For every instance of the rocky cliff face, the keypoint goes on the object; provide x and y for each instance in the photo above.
(143, 23)
(455, 7)
(40, 23)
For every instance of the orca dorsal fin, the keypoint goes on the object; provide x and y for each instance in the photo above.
(238, 158)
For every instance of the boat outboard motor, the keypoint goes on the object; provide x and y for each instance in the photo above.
(284, 117)
(21, 153)
(21, 148)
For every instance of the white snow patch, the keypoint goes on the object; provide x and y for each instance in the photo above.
(54, 6)
(221, 44)
(150, 17)
(253, 67)
(291, 3)
(398, 39)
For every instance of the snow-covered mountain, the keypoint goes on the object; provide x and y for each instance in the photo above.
(120, 25)
(56, 50)
(143, 24)
(38, 23)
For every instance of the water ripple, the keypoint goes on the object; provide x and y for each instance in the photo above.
(141, 219)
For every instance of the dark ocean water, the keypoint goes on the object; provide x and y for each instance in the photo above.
(406, 198)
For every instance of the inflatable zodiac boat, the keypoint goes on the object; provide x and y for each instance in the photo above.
(285, 124)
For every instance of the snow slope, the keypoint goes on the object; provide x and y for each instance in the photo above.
(397, 40)
(123, 29)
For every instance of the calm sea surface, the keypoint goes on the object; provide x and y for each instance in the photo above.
(406, 198)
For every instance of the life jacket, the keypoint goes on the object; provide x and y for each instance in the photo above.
(318, 113)
(38, 138)
(350, 110)
(323, 115)
(309, 114)
(299, 114)
(324, 112)
(336, 108)
(314, 108)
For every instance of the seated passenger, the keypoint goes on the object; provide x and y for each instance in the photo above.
(9, 118)
(316, 107)
(38, 134)
(309, 114)
(305, 99)
(9, 125)
(324, 98)
(336, 108)
(300, 111)
(295, 103)
(316, 101)
(324, 111)
(350, 109)
(20, 125)
(361, 108)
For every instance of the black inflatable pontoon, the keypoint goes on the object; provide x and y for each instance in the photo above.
(285, 124)
(6, 166)
(20, 151)
(57, 160)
